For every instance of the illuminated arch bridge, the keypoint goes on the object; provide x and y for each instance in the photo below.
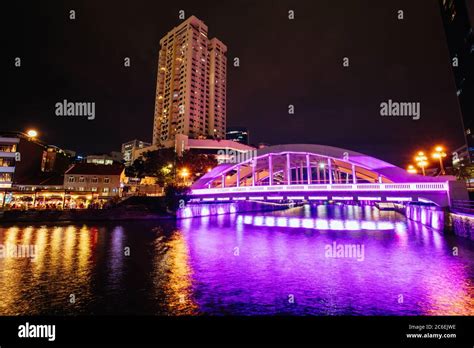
(316, 172)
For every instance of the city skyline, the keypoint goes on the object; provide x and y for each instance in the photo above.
(327, 97)
(292, 162)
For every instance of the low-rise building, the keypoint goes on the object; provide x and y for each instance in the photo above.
(100, 179)
(110, 158)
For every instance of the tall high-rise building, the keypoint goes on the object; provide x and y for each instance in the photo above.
(458, 21)
(191, 85)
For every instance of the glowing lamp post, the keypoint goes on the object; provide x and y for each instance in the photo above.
(440, 154)
(31, 133)
(184, 173)
(411, 169)
(421, 161)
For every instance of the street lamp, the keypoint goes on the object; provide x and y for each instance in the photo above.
(31, 133)
(411, 169)
(440, 154)
(184, 173)
(421, 161)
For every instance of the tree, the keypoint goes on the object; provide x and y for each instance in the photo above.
(137, 169)
(464, 170)
(198, 164)
(176, 197)
(164, 164)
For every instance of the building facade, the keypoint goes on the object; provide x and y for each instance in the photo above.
(191, 85)
(458, 21)
(103, 180)
(8, 150)
(23, 159)
(111, 158)
(129, 148)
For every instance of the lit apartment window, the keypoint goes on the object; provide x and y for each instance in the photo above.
(81, 188)
(5, 177)
(94, 189)
(8, 148)
(105, 190)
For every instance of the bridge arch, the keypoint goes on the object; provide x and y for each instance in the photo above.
(303, 164)
(316, 172)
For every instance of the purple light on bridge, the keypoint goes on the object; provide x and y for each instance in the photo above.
(187, 213)
(336, 225)
(352, 225)
(294, 222)
(282, 222)
(258, 221)
(269, 221)
(205, 211)
(322, 224)
(319, 224)
(368, 225)
(307, 223)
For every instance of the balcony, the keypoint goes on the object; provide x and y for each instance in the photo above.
(7, 169)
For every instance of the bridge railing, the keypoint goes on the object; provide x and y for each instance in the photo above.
(405, 187)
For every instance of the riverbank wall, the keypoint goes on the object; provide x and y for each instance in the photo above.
(207, 209)
(462, 224)
(451, 222)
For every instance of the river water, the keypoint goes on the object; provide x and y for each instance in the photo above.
(319, 260)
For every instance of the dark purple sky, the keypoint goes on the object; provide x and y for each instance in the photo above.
(283, 62)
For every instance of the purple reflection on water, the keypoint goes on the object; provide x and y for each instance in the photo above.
(282, 254)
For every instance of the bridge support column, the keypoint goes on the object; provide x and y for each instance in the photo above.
(301, 174)
(270, 170)
(238, 176)
(254, 164)
(288, 169)
(330, 171)
(354, 177)
(308, 170)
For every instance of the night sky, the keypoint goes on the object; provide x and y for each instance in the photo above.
(282, 62)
